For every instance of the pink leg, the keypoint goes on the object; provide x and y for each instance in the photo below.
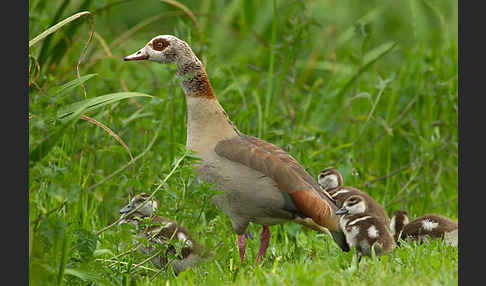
(241, 246)
(264, 240)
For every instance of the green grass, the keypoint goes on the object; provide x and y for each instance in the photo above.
(369, 87)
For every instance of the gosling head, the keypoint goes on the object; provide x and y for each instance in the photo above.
(145, 211)
(398, 221)
(330, 179)
(355, 204)
(163, 49)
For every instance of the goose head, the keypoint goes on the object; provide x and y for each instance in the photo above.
(330, 178)
(163, 49)
(145, 211)
(355, 204)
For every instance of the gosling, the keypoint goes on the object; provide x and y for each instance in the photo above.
(331, 180)
(161, 231)
(362, 229)
(431, 226)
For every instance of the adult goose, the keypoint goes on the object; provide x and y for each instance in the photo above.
(263, 183)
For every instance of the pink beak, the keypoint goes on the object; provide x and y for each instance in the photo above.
(138, 56)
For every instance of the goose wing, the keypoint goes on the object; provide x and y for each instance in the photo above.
(290, 177)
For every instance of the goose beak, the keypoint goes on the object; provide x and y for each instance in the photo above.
(341, 211)
(137, 56)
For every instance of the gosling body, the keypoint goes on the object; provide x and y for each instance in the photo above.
(428, 226)
(363, 230)
(162, 231)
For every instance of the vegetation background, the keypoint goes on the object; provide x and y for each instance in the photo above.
(369, 87)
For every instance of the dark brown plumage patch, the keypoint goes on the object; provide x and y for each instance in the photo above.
(159, 44)
(199, 86)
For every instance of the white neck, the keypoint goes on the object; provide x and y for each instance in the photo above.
(207, 124)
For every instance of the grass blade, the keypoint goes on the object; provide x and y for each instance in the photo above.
(70, 114)
(56, 27)
(369, 17)
(45, 46)
(186, 10)
(59, 50)
(45, 146)
(132, 31)
(83, 275)
(67, 87)
(270, 80)
(63, 262)
(370, 58)
(94, 103)
(114, 135)
(128, 164)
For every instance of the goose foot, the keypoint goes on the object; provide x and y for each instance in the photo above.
(264, 241)
(241, 241)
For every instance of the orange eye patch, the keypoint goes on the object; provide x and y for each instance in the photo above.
(160, 44)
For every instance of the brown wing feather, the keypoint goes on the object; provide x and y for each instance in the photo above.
(288, 174)
(292, 163)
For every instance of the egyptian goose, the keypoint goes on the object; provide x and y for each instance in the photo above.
(263, 183)
(429, 225)
(331, 180)
(363, 230)
(161, 231)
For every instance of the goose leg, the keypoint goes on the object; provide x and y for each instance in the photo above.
(241, 241)
(264, 240)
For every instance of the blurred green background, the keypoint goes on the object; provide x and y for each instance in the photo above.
(369, 87)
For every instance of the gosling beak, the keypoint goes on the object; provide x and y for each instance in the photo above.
(138, 56)
(341, 211)
(126, 209)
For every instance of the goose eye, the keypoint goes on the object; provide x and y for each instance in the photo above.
(160, 44)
